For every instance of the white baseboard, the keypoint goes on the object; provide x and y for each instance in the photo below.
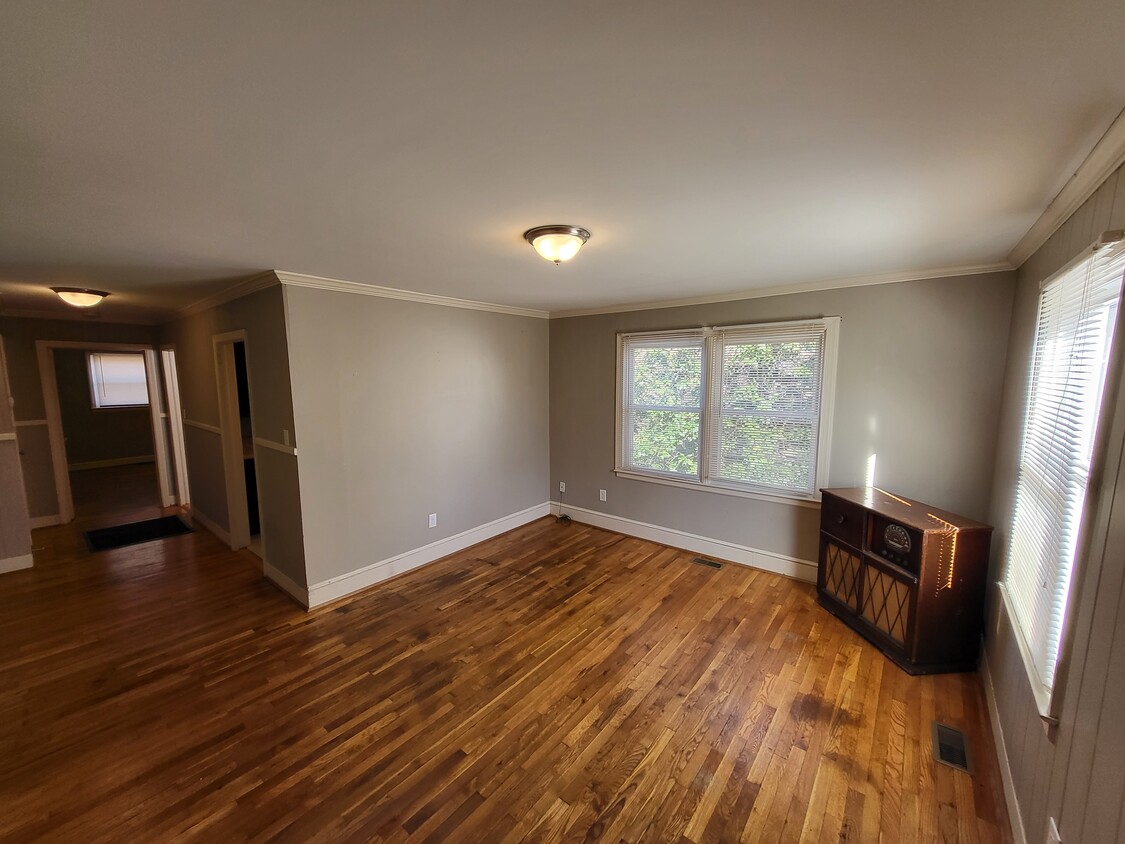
(283, 582)
(346, 584)
(1019, 835)
(45, 521)
(23, 561)
(742, 554)
(115, 461)
(223, 535)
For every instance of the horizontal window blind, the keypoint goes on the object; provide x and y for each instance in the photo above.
(1077, 313)
(117, 380)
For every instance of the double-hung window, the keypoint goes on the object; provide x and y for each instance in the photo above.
(743, 409)
(1078, 310)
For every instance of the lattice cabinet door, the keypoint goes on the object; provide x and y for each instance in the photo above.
(841, 574)
(887, 602)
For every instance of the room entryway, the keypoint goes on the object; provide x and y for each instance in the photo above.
(236, 424)
(107, 427)
(103, 409)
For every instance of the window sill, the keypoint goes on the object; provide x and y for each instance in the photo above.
(792, 500)
(1044, 697)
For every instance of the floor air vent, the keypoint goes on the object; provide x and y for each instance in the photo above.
(951, 747)
(703, 561)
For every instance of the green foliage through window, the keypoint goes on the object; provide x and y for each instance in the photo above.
(666, 394)
(764, 395)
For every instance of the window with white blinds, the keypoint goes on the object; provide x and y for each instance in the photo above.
(742, 408)
(117, 380)
(1074, 331)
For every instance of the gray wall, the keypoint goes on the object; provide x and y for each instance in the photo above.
(94, 435)
(1076, 773)
(195, 369)
(919, 383)
(406, 409)
(262, 315)
(15, 532)
(20, 335)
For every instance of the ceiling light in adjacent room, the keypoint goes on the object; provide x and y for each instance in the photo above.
(80, 297)
(557, 243)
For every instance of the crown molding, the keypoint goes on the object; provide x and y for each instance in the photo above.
(244, 288)
(1107, 155)
(787, 289)
(338, 286)
(290, 279)
(74, 315)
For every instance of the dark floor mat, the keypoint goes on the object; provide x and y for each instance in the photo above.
(118, 536)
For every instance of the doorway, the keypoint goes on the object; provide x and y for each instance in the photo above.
(107, 379)
(108, 436)
(236, 424)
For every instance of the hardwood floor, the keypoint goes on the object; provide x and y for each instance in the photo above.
(130, 491)
(559, 682)
(102, 497)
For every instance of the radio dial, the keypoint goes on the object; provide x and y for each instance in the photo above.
(897, 539)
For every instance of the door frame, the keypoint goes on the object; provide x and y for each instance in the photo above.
(44, 351)
(230, 432)
(175, 416)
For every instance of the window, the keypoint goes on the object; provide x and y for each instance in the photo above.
(117, 380)
(664, 404)
(737, 409)
(1074, 331)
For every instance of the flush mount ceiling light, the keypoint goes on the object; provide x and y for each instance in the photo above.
(557, 243)
(80, 297)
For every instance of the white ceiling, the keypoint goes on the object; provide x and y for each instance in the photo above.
(165, 150)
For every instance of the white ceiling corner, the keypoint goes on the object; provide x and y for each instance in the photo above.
(1106, 156)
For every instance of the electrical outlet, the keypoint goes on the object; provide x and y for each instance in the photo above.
(433, 519)
(562, 486)
(601, 495)
(1053, 836)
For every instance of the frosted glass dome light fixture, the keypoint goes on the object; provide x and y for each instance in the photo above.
(557, 243)
(80, 297)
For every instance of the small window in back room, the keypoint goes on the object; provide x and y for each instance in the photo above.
(117, 380)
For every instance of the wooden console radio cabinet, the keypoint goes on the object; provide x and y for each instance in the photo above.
(908, 577)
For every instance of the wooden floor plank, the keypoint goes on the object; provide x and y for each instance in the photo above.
(556, 683)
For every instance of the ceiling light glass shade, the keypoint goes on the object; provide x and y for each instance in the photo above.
(557, 243)
(80, 297)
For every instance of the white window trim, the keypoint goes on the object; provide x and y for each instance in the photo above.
(1045, 698)
(831, 328)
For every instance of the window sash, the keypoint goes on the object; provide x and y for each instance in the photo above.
(117, 379)
(800, 411)
(634, 409)
(1076, 322)
(813, 412)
